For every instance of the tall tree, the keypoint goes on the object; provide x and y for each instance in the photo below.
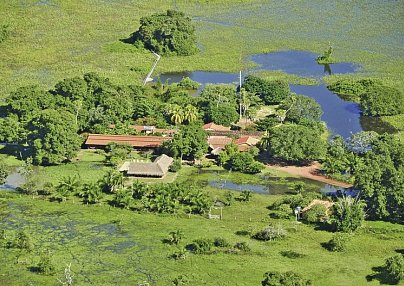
(271, 92)
(380, 177)
(295, 143)
(167, 33)
(190, 141)
(53, 137)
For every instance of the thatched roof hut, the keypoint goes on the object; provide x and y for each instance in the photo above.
(159, 168)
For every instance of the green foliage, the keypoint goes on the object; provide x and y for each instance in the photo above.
(337, 243)
(201, 246)
(271, 233)
(54, 137)
(380, 177)
(382, 100)
(3, 171)
(290, 278)
(348, 214)
(326, 58)
(245, 196)
(243, 162)
(292, 254)
(338, 159)
(175, 198)
(270, 92)
(116, 153)
(223, 114)
(352, 89)
(45, 265)
(171, 33)
(395, 267)
(301, 107)
(4, 32)
(176, 165)
(295, 143)
(91, 193)
(190, 141)
(267, 123)
(221, 242)
(316, 214)
(188, 83)
(123, 198)
(175, 236)
(242, 246)
(23, 242)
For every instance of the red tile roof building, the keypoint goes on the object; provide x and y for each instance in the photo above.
(101, 140)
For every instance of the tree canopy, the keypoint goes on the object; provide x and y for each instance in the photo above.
(294, 143)
(170, 33)
(270, 92)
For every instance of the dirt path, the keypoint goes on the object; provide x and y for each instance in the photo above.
(311, 172)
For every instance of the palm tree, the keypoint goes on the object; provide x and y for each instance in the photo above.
(190, 113)
(123, 198)
(91, 193)
(265, 141)
(67, 186)
(176, 113)
(113, 180)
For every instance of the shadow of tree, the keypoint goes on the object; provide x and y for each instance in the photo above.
(380, 274)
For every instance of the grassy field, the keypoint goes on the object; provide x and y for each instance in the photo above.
(110, 246)
(51, 40)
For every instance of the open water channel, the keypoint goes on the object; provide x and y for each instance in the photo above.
(342, 117)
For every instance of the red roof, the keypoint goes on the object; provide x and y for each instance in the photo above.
(214, 127)
(134, 141)
(218, 141)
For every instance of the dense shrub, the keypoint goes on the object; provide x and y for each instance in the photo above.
(167, 33)
(289, 278)
(221, 242)
(348, 214)
(337, 242)
(245, 163)
(201, 246)
(188, 83)
(352, 89)
(270, 92)
(176, 165)
(271, 233)
(317, 213)
(395, 267)
(382, 100)
(242, 246)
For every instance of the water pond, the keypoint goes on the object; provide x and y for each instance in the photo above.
(275, 189)
(13, 181)
(342, 117)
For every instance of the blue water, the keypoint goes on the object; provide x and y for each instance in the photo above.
(342, 117)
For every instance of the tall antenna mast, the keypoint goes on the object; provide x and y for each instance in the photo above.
(240, 94)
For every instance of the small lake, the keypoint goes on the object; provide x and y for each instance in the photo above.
(13, 181)
(273, 189)
(342, 117)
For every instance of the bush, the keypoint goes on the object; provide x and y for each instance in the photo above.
(316, 214)
(271, 233)
(221, 242)
(382, 100)
(188, 83)
(201, 246)
(180, 254)
(337, 242)
(348, 214)
(242, 246)
(395, 267)
(170, 33)
(245, 163)
(45, 265)
(175, 166)
(284, 279)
